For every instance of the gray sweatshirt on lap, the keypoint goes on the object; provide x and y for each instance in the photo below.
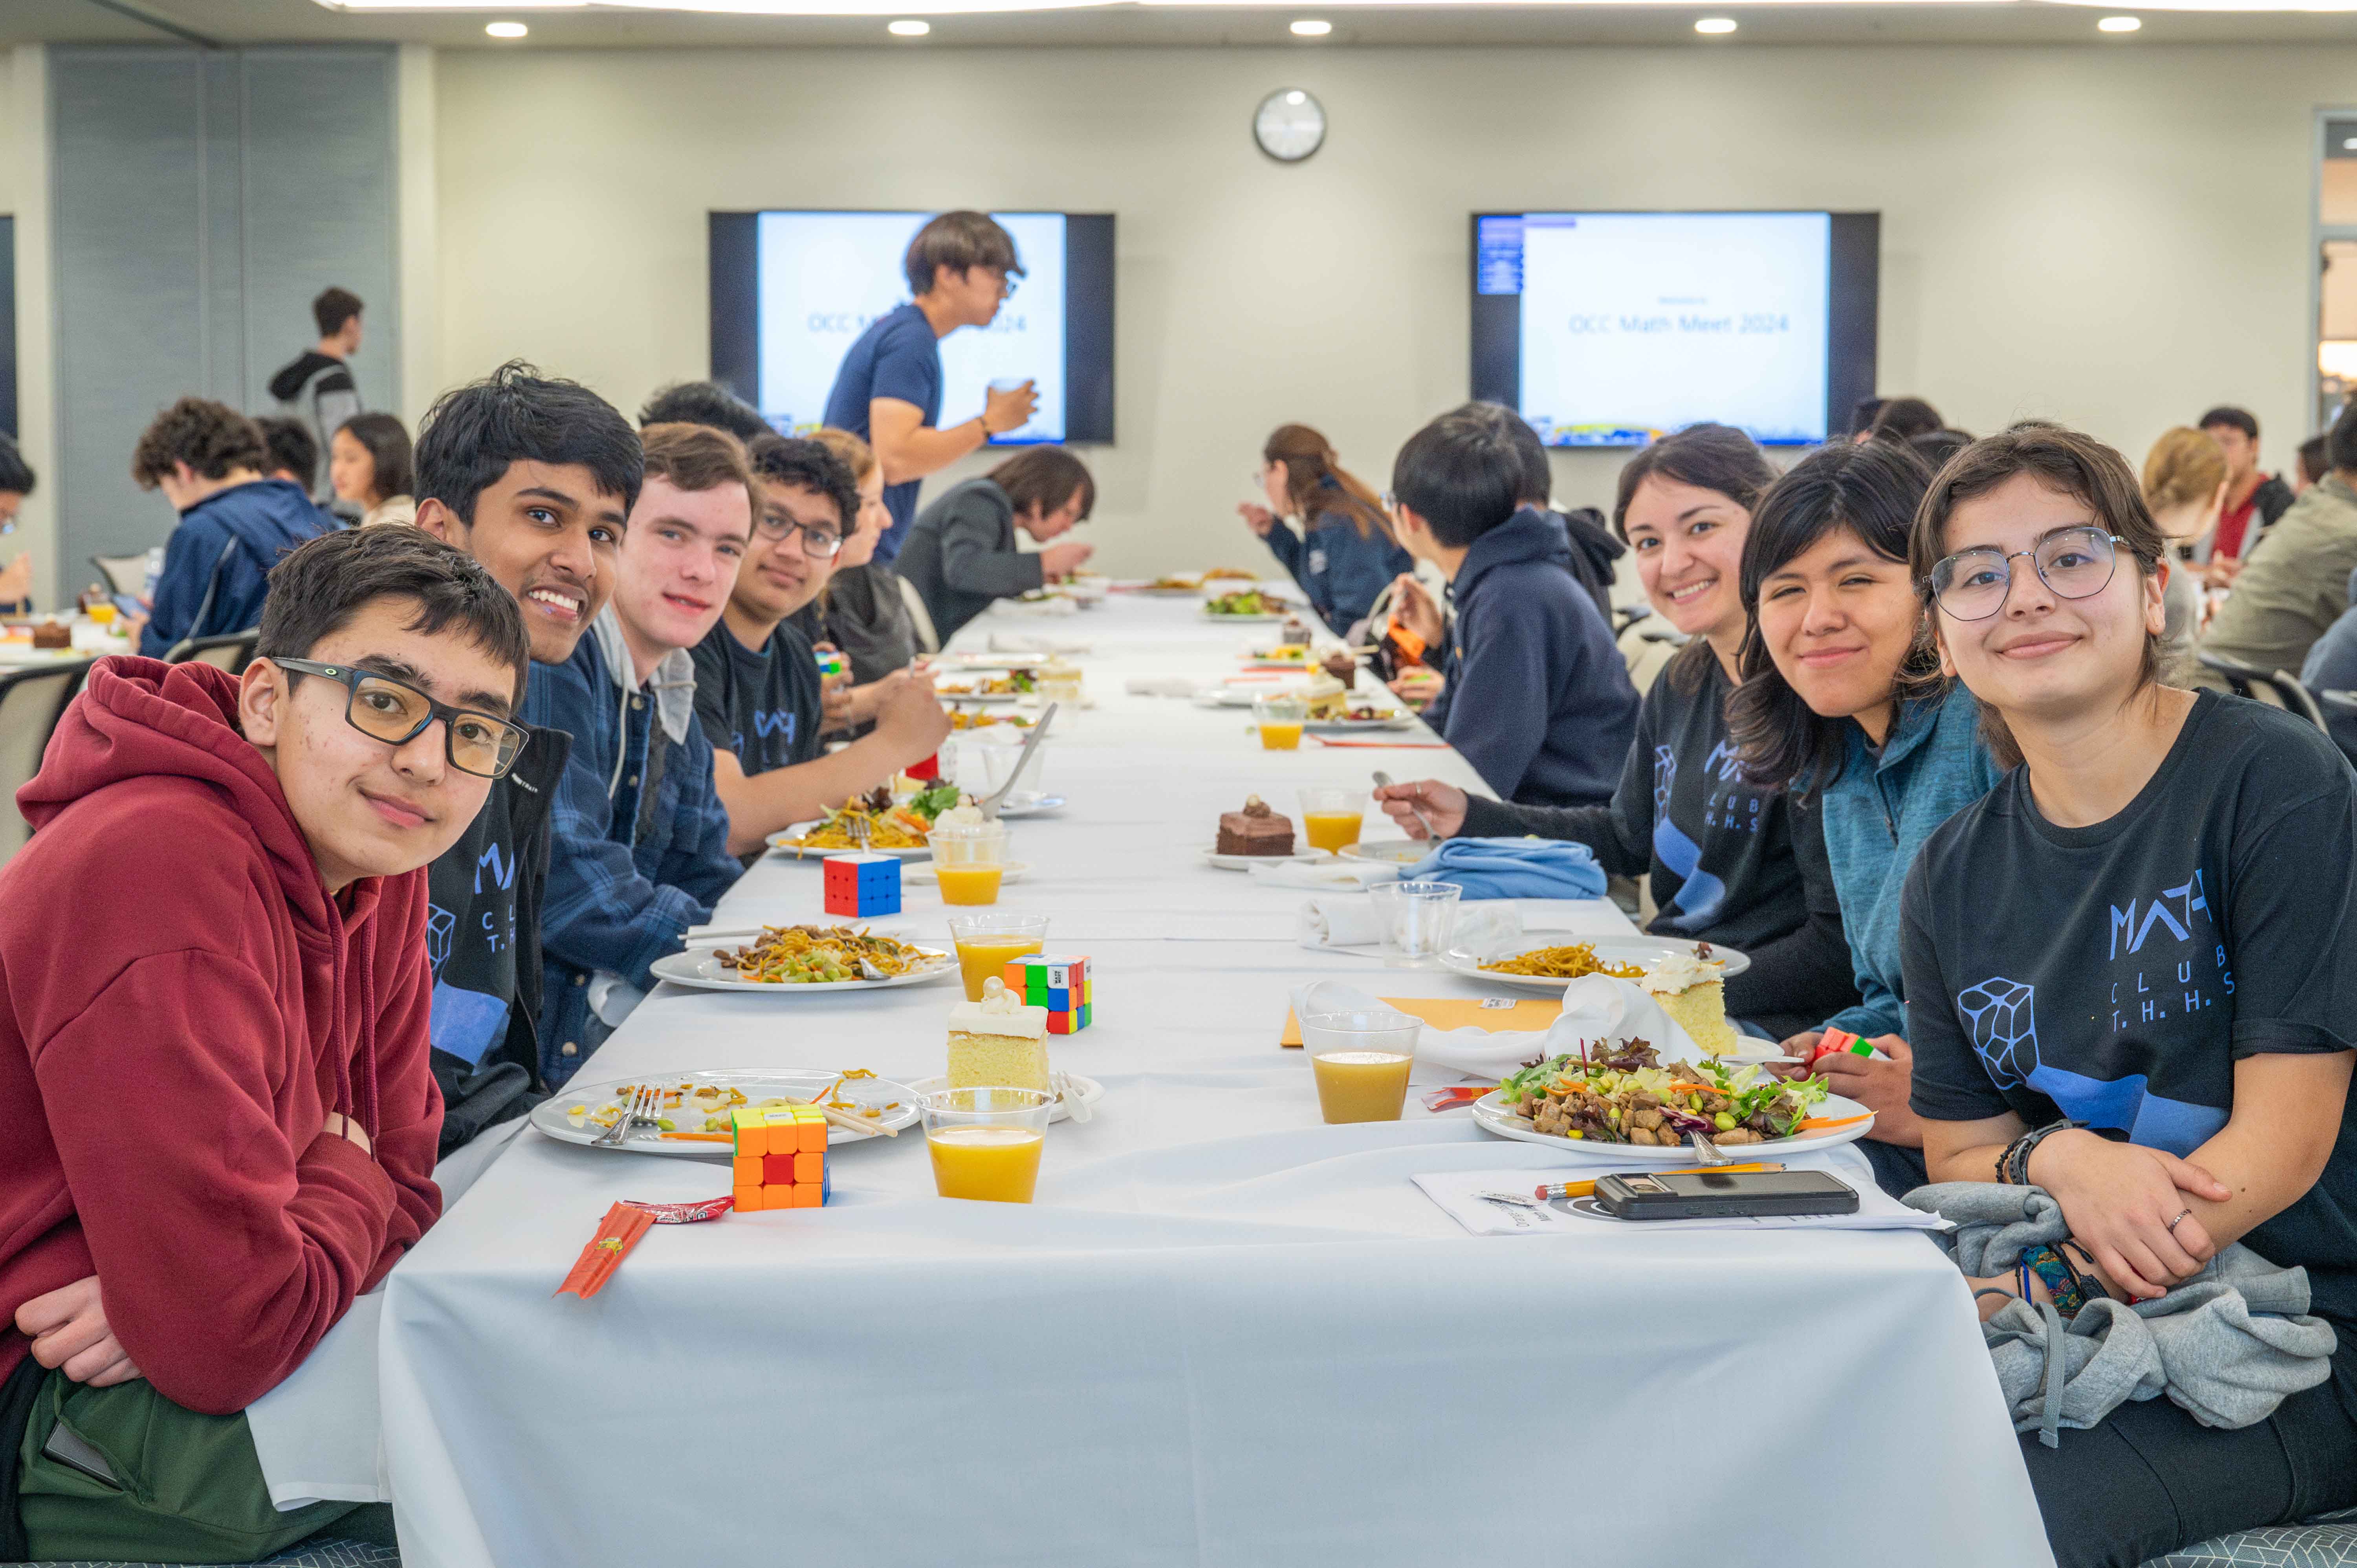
(961, 555)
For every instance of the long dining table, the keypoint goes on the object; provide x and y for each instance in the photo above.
(1224, 1333)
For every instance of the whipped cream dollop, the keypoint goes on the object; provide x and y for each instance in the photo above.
(1681, 971)
(1000, 1012)
(964, 814)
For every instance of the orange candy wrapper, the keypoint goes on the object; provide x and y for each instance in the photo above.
(619, 1231)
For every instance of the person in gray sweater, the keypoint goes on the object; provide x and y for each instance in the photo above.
(961, 555)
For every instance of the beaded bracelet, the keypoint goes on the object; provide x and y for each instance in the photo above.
(2013, 1165)
(2064, 1284)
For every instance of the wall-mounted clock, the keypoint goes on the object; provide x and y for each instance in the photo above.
(1289, 124)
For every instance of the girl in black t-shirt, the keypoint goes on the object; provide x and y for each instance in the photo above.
(2132, 978)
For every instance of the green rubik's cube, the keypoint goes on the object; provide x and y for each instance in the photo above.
(1061, 986)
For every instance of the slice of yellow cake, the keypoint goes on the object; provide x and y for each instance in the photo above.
(998, 1041)
(1693, 991)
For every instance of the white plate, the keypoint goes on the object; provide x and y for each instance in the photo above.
(1490, 1114)
(1388, 851)
(788, 842)
(946, 695)
(1012, 871)
(702, 968)
(791, 1083)
(1146, 590)
(991, 663)
(1045, 806)
(1361, 727)
(1246, 862)
(1642, 950)
(1247, 620)
(1091, 1090)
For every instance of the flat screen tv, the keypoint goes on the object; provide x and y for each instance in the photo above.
(791, 291)
(1613, 329)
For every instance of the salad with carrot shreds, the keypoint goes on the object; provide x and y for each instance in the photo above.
(1622, 1094)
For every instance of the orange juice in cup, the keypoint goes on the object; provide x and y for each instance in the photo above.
(1360, 1063)
(986, 942)
(1280, 718)
(968, 884)
(969, 859)
(986, 1142)
(1331, 817)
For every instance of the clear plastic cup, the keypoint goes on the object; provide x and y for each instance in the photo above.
(986, 1142)
(1331, 817)
(986, 942)
(969, 860)
(1361, 1062)
(1280, 718)
(1423, 917)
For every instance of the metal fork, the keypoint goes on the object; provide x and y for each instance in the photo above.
(642, 1109)
(613, 1134)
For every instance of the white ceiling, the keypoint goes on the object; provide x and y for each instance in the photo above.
(1122, 25)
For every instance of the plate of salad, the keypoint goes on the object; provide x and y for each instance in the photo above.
(1623, 1103)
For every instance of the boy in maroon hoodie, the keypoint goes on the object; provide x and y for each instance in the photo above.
(213, 1035)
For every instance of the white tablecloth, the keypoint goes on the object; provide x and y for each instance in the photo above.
(1224, 1334)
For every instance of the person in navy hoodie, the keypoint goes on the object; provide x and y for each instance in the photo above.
(1537, 698)
(208, 460)
(1345, 553)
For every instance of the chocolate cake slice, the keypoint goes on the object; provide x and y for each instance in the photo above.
(1255, 830)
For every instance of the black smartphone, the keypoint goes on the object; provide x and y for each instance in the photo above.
(1713, 1194)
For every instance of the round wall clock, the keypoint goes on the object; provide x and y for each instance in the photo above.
(1289, 124)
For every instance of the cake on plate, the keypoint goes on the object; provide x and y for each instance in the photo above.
(998, 1041)
(1691, 989)
(1327, 698)
(1255, 830)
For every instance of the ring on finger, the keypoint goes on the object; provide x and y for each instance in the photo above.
(2181, 1219)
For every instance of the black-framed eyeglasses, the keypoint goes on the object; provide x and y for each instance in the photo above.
(818, 543)
(2075, 563)
(396, 712)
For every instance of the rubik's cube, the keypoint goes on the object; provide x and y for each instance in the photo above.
(862, 886)
(1061, 986)
(780, 1157)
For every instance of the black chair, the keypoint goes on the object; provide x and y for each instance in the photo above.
(233, 651)
(2277, 688)
(31, 702)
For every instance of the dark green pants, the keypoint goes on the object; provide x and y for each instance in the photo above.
(190, 1487)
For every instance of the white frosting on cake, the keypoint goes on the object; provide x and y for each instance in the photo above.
(1000, 1012)
(1323, 685)
(1681, 971)
(965, 814)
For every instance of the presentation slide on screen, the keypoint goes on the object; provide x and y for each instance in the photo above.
(1634, 325)
(824, 276)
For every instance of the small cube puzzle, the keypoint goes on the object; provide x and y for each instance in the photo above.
(862, 886)
(1061, 986)
(779, 1157)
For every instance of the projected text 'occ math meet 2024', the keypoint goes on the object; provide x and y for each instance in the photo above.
(1637, 324)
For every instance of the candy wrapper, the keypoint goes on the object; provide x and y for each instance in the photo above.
(619, 1231)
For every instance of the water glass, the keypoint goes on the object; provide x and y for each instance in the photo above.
(1423, 915)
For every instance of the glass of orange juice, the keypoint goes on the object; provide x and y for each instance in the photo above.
(1280, 718)
(1360, 1061)
(985, 1141)
(984, 943)
(1331, 817)
(969, 859)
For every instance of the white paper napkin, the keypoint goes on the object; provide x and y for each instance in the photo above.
(1595, 1007)
(1339, 920)
(1325, 873)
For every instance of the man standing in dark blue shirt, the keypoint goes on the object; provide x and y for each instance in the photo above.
(961, 268)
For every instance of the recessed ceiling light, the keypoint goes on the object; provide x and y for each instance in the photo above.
(2120, 23)
(909, 27)
(1716, 24)
(506, 29)
(1308, 28)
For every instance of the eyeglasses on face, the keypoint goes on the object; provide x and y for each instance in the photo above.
(818, 543)
(2075, 563)
(396, 712)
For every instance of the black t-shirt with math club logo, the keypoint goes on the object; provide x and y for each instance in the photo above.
(2115, 973)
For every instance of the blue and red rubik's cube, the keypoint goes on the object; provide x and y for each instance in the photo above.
(1061, 986)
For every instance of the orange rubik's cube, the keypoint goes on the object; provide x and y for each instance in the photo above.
(780, 1157)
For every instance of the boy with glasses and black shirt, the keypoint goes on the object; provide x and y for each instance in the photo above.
(756, 680)
(534, 477)
(220, 1122)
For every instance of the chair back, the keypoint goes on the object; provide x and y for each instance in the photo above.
(125, 574)
(927, 638)
(31, 700)
(2277, 688)
(233, 651)
(1647, 643)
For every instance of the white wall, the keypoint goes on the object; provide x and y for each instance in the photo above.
(24, 192)
(2114, 235)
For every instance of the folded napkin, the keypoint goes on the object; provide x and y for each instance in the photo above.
(1596, 1007)
(1160, 686)
(1366, 920)
(1036, 642)
(1512, 868)
(1342, 873)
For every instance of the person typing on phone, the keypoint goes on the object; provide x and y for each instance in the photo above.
(2129, 979)
(15, 483)
(221, 1119)
(961, 267)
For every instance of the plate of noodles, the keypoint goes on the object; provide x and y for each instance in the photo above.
(1540, 965)
(694, 1115)
(804, 961)
(897, 832)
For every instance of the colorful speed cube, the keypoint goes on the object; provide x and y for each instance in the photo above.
(862, 886)
(1061, 986)
(779, 1157)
